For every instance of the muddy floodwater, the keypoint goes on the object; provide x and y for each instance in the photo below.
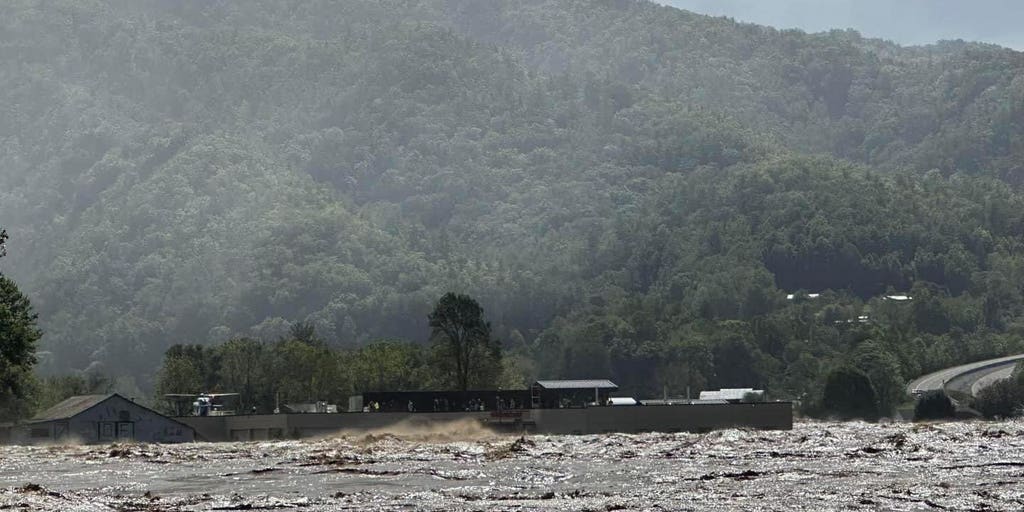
(816, 466)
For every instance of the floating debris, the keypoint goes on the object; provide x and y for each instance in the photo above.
(816, 466)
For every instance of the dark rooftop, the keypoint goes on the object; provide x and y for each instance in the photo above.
(71, 407)
(577, 384)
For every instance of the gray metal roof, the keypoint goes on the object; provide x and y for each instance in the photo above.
(577, 384)
(71, 407)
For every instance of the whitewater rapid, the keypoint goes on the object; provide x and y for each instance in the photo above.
(816, 466)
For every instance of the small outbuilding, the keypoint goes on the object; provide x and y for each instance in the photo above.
(100, 419)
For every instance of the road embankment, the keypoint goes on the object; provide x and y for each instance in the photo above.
(967, 379)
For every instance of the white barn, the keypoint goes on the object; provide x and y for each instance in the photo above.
(100, 419)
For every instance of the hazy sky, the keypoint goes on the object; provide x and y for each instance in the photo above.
(903, 21)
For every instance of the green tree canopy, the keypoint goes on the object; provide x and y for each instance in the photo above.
(934, 405)
(54, 389)
(179, 375)
(18, 337)
(463, 350)
(614, 180)
(243, 370)
(1001, 399)
(849, 394)
(388, 365)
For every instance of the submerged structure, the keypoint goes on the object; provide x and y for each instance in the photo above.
(547, 407)
(99, 419)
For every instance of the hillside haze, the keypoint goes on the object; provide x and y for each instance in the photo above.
(905, 22)
(630, 190)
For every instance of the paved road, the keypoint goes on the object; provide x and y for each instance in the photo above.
(985, 381)
(964, 377)
(973, 381)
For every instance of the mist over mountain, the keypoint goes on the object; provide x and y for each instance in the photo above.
(909, 22)
(630, 190)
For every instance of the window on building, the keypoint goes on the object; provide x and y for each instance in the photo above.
(107, 430)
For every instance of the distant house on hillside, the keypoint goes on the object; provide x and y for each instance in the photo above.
(100, 419)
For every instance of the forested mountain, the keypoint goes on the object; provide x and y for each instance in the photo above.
(628, 189)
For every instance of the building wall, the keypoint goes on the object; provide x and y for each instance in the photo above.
(115, 419)
(292, 426)
(439, 401)
(593, 420)
(239, 428)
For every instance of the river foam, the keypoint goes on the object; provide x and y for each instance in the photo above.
(816, 466)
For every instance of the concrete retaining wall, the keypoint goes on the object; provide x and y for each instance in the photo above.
(665, 418)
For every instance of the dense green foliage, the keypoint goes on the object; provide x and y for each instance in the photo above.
(1001, 399)
(18, 337)
(291, 370)
(848, 394)
(54, 389)
(629, 190)
(463, 351)
(934, 405)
